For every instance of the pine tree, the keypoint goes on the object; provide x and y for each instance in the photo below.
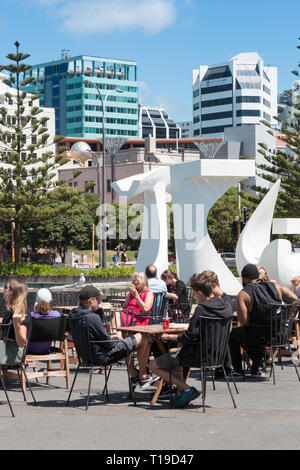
(285, 164)
(28, 190)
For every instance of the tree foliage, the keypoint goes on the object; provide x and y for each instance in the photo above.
(29, 191)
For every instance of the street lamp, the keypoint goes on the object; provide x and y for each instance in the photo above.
(118, 90)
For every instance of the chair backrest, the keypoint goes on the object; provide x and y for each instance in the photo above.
(190, 295)
(118, 296)
(213, 340)
(158, 308)
(281, 323)
(79, 331)
(48, 329)
(176, 314)
(4, 331)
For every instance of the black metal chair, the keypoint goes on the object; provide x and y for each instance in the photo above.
(118, 296)
(179, 313)
(80, 335)
(277, 332)
(212, 348)
(52, 330)
(190, 295)
(19, 367)
(4, 331)
(158, 308)
(281, 325)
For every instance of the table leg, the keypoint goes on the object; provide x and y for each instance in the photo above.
(297, 328)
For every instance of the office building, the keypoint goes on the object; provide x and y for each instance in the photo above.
(78, 110)
(155, 122)
(186, 129)
(235, 93)
(8, 100)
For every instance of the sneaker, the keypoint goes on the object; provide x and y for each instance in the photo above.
(185, 397)
(236, 375)
(134, 381)
(259, 374)
(149, 380)
(165, 393)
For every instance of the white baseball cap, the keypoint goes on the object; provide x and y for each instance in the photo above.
(43, 294)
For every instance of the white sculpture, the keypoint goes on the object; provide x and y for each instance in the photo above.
(154, 241)
(195, 187)
(254, 243)
(256, 234)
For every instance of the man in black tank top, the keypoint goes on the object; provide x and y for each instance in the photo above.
(250, 310)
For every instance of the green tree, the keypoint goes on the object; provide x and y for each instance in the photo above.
(28, 190)
(285, 164)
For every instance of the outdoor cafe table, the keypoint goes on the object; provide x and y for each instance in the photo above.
(155, 331)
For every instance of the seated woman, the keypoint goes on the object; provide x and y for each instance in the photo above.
(16, 303)
(42, 309)
(140, 300)
(177, 292)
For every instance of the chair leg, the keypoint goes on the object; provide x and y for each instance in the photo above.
(28, 383)
(21, 383)
(131, 389)
(213, 379)
(106, 380)
(68, 400)
(203, 378)
(89, 388)
(6, 394)
(228, 385)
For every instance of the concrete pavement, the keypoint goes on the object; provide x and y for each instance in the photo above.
(267, 417)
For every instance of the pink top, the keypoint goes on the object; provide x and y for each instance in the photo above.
(133, 303)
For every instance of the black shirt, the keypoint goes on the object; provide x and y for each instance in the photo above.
(8, 316)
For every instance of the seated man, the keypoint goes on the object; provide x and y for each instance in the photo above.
(155, 285)
(250, 310)
(111, 351)
(209, 306)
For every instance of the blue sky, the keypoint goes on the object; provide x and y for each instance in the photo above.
(167, 38)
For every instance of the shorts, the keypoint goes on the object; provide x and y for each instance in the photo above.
(121, 349)
(10, 353)
(169, 361)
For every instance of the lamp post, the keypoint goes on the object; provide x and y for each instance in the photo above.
(103, 167)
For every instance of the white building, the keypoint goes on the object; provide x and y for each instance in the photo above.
(27, 137)
(186, 129)
(241, 91)
(156, 122)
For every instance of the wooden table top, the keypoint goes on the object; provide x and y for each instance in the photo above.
(152, 329)
(70, 307)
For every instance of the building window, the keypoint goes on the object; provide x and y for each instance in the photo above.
(248, 99)
(196, 93)
(108, 186)
(248, 112)
(266, 90)
(212, 116)
(213, 130)
(219, 102)
(267, 103)
(267, 117)
(216, 89)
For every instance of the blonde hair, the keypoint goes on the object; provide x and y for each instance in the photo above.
(211, 275)
(264, 276)
(142, 278)
(17, 300)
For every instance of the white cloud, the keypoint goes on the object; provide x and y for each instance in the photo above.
(102, 16)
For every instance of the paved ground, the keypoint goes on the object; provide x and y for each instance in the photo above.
(267, 417)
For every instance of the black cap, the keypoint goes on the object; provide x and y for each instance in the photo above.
(250, 271)
(89, 291)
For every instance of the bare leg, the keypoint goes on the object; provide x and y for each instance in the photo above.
(143, 353)
(177, 376)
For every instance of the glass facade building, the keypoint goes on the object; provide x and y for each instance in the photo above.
(78, 109)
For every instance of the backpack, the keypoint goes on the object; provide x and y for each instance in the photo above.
(262, 294)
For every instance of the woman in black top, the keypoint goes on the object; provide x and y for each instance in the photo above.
(177, 291)
(21, 322)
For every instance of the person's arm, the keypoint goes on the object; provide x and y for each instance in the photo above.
(294, 283)
(125, 305)
(146, 306)
(243, 308)
(20, 331)
(286, 294)
(168, 337)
